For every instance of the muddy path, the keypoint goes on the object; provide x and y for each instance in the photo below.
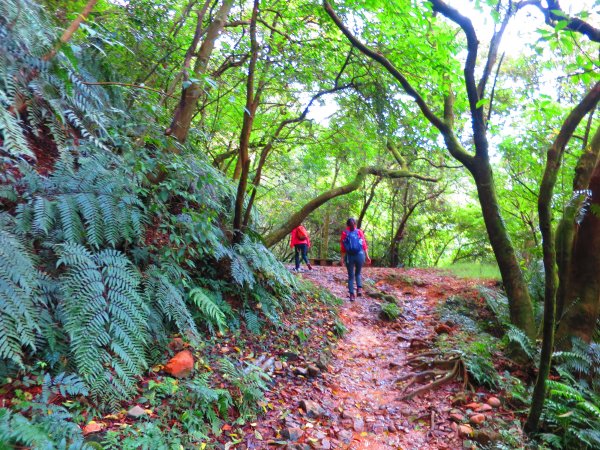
(355, 401)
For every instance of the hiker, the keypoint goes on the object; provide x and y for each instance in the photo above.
(354, 249)
(300, 241)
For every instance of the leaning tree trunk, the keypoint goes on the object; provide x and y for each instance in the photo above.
(520, 307)
(553, 163)
(182, 117)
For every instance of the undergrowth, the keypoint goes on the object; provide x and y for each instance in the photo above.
(571, 415)
(101, 261)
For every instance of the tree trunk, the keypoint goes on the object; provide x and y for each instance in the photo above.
(182, 117)
(553, 164)
(252, 100)
(582, 302)
(521, 310)
(565, 231)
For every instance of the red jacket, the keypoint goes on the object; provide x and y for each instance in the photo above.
(361, 235)
(295, 241)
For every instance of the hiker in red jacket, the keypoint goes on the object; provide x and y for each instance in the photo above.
(300, 242)
(355, 252)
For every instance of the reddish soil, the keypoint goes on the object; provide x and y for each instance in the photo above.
(358, 392)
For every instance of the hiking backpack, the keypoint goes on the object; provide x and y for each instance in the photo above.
(301, 233)
(353, 242)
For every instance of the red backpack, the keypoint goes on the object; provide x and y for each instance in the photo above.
(301, 233)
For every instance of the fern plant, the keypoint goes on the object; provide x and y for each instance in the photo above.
(41, 425)
(105, 318)
(251, 383)
(19, 304)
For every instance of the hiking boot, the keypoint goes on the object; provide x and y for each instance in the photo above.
(352, 297)
(359, 292)
(309, 266)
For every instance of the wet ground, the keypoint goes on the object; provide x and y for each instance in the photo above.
(359, 394)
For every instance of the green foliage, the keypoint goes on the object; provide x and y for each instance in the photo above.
(85, 285)
(41, 425)
(390, 311)
(209, 310)
(105, 318)
(251, 383)
(339, 329)
(479, 361)
(481, 270)
(19, 305)
(521, 340)
(571, 415)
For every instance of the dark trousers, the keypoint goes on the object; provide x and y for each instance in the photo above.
(354, 264)
(300, 249)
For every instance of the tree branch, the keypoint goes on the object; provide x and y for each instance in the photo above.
(280, 233)
(68, 33)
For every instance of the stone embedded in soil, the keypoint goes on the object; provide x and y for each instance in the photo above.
(358, 425)
(290, 356)
(474, 406)
(486, 436)
(300, 371)
(379, 427)
(456, 417)
(443, 329)
(136, 412)
(459, 399)
(93, 427)
(465, 431)
(345, 436)
(346, 415)
(180, 365)
(392, 428)
(477, 419)
(494, 402)
(313, 370)
(312, 409)
(485, 407)
(292, 434)
(176, 344)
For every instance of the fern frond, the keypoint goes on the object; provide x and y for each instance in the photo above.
(105, 318)
(19, 302)
(208, 308)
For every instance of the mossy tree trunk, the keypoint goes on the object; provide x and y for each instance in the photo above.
(582, 292)
(565, 231)
(553, 164)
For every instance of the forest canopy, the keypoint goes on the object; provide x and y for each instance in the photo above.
(156, 154)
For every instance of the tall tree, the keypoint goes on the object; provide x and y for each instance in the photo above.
(478, 164)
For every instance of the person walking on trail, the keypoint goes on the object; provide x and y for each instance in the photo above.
(300, 242)
(355, 252)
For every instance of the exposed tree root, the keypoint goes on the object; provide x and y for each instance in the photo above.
(431, 367)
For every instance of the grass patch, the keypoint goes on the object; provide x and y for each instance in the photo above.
(475, 270)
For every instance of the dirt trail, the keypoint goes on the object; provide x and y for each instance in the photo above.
(359, 394)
